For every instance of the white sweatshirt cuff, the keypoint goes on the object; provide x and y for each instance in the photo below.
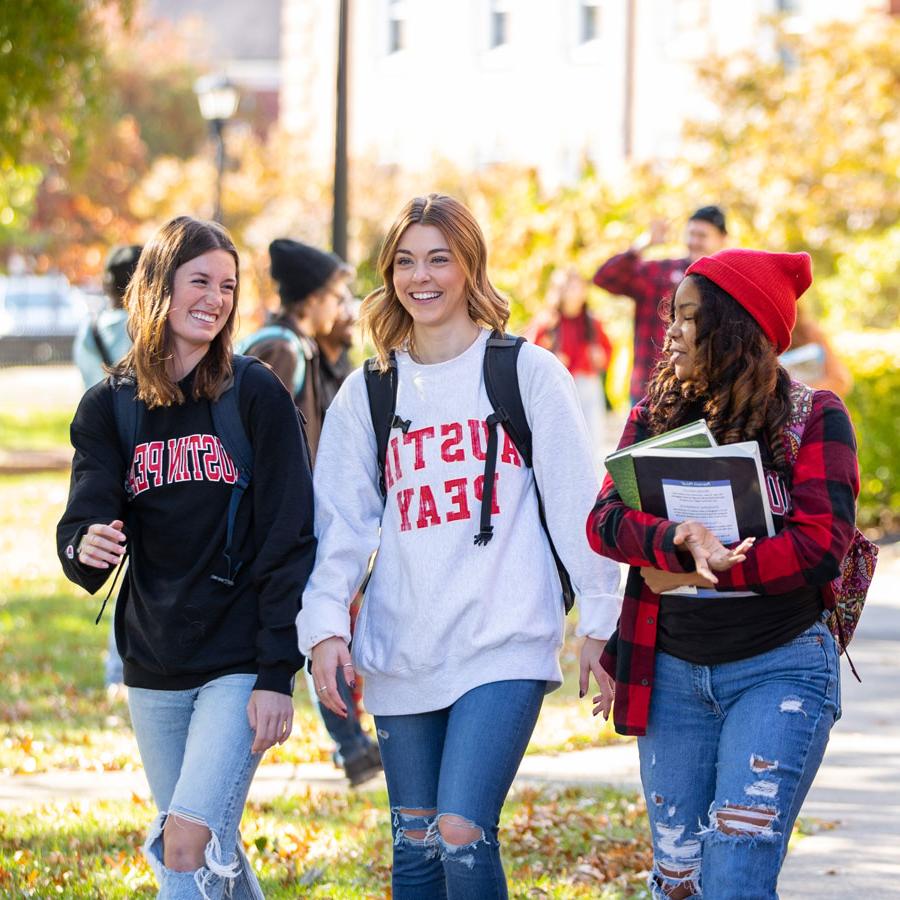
(598, 615)
(325, 621)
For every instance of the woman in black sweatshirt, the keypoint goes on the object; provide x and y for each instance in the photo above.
(219, 549)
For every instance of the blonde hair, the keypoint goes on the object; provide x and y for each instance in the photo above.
(148, 299)
(383, 317)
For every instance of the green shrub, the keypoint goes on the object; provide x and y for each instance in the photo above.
(874, 403)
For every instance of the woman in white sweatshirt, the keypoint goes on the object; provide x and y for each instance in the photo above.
(458, 639)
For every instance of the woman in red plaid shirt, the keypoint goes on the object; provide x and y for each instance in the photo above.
(733, 697)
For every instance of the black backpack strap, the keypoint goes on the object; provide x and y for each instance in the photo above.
(229, 427)
(382, 390)
(127, 410)
(501, 381)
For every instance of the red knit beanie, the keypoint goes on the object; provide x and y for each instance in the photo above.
(766, 284)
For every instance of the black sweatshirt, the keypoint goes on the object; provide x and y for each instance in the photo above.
(176, 628)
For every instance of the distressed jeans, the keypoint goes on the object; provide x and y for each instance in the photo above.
(455, 765)
(730, 753)
(195, 747)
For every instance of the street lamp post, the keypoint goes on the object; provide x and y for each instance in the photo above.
(341, 200)
(218, 99)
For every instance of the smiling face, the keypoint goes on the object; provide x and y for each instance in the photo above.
(702, 239)
(202, 300)
(681, 335)
(429, 280)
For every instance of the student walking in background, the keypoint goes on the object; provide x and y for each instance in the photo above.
(100, 343)
(577, 339)
(462, 623)
(732, 697)
(314, 289)
(219, 544)
(651, 282)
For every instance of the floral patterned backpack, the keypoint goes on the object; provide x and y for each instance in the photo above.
(844, 596)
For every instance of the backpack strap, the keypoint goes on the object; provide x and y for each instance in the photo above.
(801, 397)
(128, 411)
(381, 388)
(229, 427)
(276, 332)
(501, 381)
(100, 344)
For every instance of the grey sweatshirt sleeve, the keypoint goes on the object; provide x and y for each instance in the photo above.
(564, 472)
(348, 514)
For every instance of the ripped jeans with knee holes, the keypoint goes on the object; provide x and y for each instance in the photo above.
(448, 773)
(195, 747)
(730, 753)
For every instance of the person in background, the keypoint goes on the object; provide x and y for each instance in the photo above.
(314, 288)
(579, 342)
(650, 282)
(100, 343)
(812, 360)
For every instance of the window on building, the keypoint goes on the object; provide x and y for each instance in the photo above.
(499, 23)
(788, 7)
(589, 24)
(396, 25)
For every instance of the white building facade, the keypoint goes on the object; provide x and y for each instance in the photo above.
(547, 84)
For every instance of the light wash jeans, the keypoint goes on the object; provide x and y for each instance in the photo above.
(195, 747)
(113, 669)
(456, 761)
(730, 753)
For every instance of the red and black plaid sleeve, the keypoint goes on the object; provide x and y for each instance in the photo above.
(817, 531)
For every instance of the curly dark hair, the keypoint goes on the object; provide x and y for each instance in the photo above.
(743, 391)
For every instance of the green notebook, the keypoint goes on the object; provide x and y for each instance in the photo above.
(621, 467)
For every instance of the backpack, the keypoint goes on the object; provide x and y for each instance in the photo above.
(278, 333)
(229, 428)
(845, 595)
(502, 383)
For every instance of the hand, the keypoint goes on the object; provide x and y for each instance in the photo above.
(271, 716)
(327, 657)
(591, 651)
(598, 357)
(659, 232)
(102, 545)
(660, 581)
(708, 551)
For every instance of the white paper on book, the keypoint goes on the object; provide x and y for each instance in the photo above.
(709, 501)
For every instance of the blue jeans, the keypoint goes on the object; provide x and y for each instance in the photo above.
(347, 733)
(113, 670)
(730, 753)
(458, 762)
(195, 747)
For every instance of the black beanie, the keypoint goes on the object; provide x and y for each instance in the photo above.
(118, 269)
(711, 214)
(300, 270)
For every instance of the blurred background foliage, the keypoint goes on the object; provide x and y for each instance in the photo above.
(100, 142)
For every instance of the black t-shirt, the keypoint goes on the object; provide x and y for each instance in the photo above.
(712, 630)
(176, 626)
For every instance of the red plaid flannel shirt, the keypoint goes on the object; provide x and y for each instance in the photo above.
(648, 283)
(814, 538)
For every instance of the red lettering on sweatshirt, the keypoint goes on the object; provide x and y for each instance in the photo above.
(457, 490)
(479, 492)
(194, 443)
(510, 454)
(419, 436)
(453, 431)
(177, 461)
(478, 430)
(139, 480)
(212, 462)
(404, 498)
(428, 514)
(154, 461)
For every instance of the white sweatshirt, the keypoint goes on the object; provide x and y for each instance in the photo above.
(442, 616)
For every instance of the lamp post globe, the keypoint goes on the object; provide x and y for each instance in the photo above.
(218, 99)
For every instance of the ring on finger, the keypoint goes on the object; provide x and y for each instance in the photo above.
(322, 687)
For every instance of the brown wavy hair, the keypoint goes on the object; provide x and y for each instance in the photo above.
(743, 392)
(148, 299)
(383, 317)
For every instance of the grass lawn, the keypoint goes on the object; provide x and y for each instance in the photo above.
(557, 844)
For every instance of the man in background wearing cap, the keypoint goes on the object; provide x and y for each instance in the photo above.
(314, 289)
(103, 340)
(649, 282)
